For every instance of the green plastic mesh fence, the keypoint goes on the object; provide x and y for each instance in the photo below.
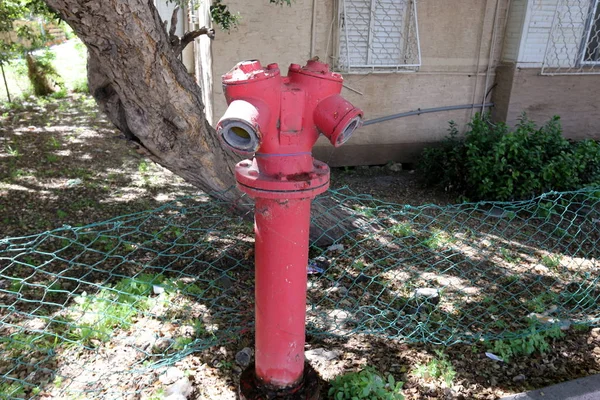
(82, 305)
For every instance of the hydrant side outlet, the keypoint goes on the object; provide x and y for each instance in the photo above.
(279, 119)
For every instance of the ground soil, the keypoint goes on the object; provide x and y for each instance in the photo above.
(62, 163)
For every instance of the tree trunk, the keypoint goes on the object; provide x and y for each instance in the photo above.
(136, 77)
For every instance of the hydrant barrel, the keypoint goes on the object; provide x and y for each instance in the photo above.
(278, 120)
(281, 252)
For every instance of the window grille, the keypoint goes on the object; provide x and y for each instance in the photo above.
(574, 42)
(378, 35)
(591, 51)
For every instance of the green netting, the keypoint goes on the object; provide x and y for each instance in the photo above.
(80, 306)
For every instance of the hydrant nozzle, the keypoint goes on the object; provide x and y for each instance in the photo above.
(278, 120)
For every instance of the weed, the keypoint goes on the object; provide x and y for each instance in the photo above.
(22, 343)
(82, 204)
(52, 158)
(581, 327)
(191, 288)
(18, 173)
(225, 365)
(81, 86)
(13, 151)
(143, 166)
(199, 329)
(53, 143)
(58, 381)
(551, 262)
(402, 229)
(509, 279)
(16, 284)
(60, 94)
(545, 209)
(61, 214)
(509, 256)
(81, 173)
(158, 395)
(11, 391)
(500, 323)
(438, 367)
(365, 384)
(368, 212)
(540, 303)
(436, 240)
(526, 342)
(98, 315)
(359, 265)
(560, 233)
(182, 342)
(63, 107)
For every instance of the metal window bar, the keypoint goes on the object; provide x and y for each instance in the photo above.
(379, 36)
(573, 46)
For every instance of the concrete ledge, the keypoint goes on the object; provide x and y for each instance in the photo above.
(587, 388)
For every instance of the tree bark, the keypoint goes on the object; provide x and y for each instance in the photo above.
(137, 79)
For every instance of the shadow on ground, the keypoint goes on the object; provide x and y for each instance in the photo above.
(62, 163)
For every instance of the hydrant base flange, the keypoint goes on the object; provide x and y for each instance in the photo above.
(252, 389)
(304, 185)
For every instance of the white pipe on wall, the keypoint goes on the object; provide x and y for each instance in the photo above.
(313, 29)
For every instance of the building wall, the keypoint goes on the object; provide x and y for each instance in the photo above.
(520, 86)
(542, 97)
(455, 37)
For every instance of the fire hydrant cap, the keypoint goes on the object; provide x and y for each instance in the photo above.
(249, 70)
(318, 69)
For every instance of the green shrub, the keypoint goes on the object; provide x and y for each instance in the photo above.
(492, 162)
(365, 384)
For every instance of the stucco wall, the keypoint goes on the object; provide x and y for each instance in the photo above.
(455, 45)
(541, 97)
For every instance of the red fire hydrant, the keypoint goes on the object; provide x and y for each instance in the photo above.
(278, 119)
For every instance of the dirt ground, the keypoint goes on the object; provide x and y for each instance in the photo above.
(62, 163)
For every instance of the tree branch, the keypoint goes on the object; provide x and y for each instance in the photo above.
(189, 37)
(180, 43)
(172, 35)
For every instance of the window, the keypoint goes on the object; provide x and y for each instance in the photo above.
(378, 35)
(591, 47)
